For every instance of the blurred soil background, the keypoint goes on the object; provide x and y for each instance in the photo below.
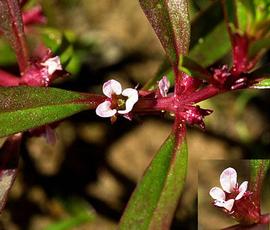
(85, 180)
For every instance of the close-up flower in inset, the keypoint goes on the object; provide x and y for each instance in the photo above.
(235, 200)
(230, 191)
(117, 101)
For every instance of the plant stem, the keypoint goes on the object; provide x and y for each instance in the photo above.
(7, 79)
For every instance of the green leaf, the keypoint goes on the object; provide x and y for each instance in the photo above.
(205, 22)
(80, 213)
(23, 108)
(264, 84)
(250, 6)
(211, 48)
(153, 202)
(262, 73)
(259, 47)
(7, 56)
(170, 20)
(205, 27)
(61, 43)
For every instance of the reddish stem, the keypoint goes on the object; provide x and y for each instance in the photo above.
(265, 219)
(7, 79)
(19, 44)
(203, 94)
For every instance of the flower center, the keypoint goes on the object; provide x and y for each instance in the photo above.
(118, 102)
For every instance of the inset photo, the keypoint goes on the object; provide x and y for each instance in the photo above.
(234, 194)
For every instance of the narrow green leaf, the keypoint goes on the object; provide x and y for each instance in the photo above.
(23, 108)
(206, 26)
(262, 73)
(264, 84)
(7, 56)
(153, 202)
(205, 21)
(259, 47)
(70, 223)
(170, 20)
(79, 213)
(211, 48)
(250, 6)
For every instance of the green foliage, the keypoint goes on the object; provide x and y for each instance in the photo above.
(79, 214)
(7, 56)
(212, 47)
(153, 202)
(170, 20)
(23, 108)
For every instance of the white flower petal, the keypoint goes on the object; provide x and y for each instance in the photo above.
(219, 203)
(164, 86)
(242, 190)
(112, 87)
(228, 204)
(228, 179)
(217, 194)
(133, 97)
(52, 64)
(104, 109)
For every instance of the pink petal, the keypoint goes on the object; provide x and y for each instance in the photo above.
(228, 179)
(217, 194)
(164, 86)
(104, 109)
(112, 87)
(133, 97)
(242, 190)
(52, 64)
(229, 204)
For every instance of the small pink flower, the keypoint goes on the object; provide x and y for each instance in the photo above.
(53, 64)
(230, 191)
(42, 73)
(164, 86)
(118, 101)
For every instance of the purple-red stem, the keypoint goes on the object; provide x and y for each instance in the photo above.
(19, 44)
(7, 79)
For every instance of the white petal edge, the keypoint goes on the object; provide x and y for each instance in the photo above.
(52, 64)
(242, 190)
(229, 204)
(228, 179)
(217, 194)
(133, 97)
(219, 203)
(104, 110)
(164, 86)
(111, 87)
